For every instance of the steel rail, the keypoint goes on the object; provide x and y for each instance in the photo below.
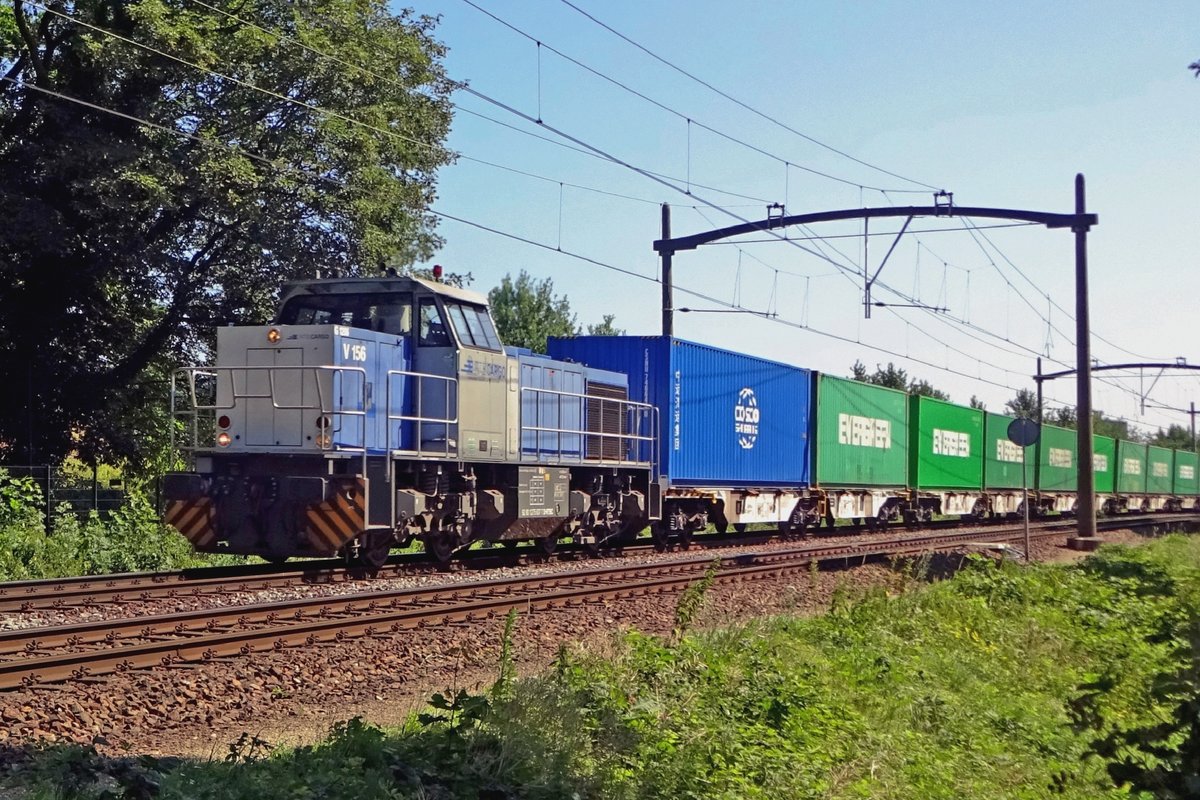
(61, 593)
(446, 603)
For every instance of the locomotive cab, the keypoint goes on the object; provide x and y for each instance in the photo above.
(374, 411)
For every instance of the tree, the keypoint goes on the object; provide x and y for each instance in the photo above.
(124, 244)
(1063, 416)
(605, 328)
(893, 377)
(1023, 405)
(977, 403)
(527, 312)
(1175, 436)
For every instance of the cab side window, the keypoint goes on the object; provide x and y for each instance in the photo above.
(433, 328)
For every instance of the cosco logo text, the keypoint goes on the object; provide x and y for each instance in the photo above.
(354, 352)
(746, 416)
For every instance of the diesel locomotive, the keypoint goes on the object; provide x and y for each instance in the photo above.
(377, 411)
(374, 412)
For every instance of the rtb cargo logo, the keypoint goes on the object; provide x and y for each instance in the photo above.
(746, 418)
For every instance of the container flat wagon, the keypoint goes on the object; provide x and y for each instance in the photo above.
(1160, 464)
(945, 459)
(1058, 465)
(1104, 464)
(861, 450)
(1131, 475)
(1186, 488)
(734, 429)
(1004, 475)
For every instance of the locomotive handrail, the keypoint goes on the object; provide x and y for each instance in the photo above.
(419, 418)
(630, 442)
(326, 444)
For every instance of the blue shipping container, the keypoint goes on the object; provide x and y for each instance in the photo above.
(725, 419)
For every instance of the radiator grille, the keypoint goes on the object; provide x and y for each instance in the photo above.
(605, 418)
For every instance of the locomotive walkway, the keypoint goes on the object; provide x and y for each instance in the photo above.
(87, 650)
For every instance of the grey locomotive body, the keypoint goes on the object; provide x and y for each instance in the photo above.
(376, 411)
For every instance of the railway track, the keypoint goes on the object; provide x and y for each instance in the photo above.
(100, 590)
(89, 650)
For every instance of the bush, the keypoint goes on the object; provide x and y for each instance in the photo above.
(129, 539)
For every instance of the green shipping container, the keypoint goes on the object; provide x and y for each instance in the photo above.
(1058, 460)
(1104, 463)
(1002, 458)
(1131, 467)
(1160, 463)
(945, 450)
(862, 434)
(1187, 483)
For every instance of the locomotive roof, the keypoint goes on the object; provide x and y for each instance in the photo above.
(381, 284)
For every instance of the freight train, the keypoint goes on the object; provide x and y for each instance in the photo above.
(374, 412)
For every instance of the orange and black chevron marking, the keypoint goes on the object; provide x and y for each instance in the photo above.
(338, 520)
(193, 519)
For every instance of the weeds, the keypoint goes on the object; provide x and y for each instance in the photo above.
(691, 600)
(131, 538)
(1003, 681)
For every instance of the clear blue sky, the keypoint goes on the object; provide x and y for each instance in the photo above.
(1000, 103)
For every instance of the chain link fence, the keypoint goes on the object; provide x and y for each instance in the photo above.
(83, 494)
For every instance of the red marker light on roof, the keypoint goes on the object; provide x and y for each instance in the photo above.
(437, 272)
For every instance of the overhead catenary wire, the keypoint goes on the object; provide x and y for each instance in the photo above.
(317, 109)
(1070, 315)
(345, 118)
(690, 119)
(539, 121)
(577, 256)
(746, 106)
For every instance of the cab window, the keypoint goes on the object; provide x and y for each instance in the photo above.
(390, 313)
(473, 326)
(433, 331)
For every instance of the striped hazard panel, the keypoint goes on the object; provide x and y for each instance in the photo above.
(339, 519)
(193, 519)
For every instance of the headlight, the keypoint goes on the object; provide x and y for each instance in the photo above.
(273, 335)
(223, 439)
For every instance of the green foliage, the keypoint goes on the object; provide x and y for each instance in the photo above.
(125, 245)
(975, 402)
(20, 501)
(1176, 437)
(129, 539)
(894, 377)
(606, 327)
(691, 599)
(1006, 681)
(527, 312)
(1023, 405)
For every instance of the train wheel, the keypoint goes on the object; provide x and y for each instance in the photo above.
(376, 546)
(740, 527)
(440, 546)
(685, 539)
(547, 544)
(660, 535)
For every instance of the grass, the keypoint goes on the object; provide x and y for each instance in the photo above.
(1004, 682)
